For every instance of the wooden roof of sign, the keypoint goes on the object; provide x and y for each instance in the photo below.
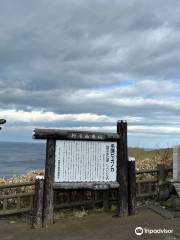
(60, 134)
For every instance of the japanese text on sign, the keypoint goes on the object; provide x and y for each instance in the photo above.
(85, 161)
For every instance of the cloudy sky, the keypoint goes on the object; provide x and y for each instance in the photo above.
(86, 64)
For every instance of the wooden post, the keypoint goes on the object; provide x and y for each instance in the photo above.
(38, 202)
(122, 169)
(131, 186)
(48, 208)
(161, 173)
(106, 200)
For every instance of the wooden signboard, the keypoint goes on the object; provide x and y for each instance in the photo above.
(85, 160)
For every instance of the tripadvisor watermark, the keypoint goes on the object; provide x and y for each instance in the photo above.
(140, 231)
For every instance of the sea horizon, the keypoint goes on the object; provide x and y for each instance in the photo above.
(18, 158)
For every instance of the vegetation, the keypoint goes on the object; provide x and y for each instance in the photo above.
(149, 159)
(29, 177)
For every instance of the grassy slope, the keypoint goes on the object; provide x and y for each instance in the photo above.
(148, 159)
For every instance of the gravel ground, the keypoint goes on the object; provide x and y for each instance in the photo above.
(98, 226)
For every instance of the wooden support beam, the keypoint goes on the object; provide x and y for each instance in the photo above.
(48, 208)
(5, 204)
(18, 202)
(15, 185)
(38, 203)
(86, 185)
(131, 186)
(106, 204)
(122, 169)
(74, 135)
(161, 173)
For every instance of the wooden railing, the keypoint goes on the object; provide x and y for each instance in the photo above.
(148, 181)
(18, 198)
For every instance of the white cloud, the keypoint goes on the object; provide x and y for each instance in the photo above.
(40, 116)
(155, 130)
(91, 63)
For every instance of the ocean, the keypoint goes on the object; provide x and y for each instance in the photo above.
(19, 158)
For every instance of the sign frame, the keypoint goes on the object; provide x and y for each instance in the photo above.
(51, 135)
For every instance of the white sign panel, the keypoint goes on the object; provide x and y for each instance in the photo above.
(85, 161)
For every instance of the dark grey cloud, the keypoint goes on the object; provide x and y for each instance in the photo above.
(113, 58)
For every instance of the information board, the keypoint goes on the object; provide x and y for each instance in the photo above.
(85, 161)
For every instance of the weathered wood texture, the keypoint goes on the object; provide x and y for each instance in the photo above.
(122, 169)
(16, 198)
(155, 171)
(86, 185)
(16, 185)
(74, 135)
(131, 187)
(106, 203)
(161, 173)
(48, 205)
(38, 204)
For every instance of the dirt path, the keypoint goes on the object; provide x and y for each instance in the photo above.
(99, 226)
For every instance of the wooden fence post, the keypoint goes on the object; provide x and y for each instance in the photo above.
(48, 208)
(38, 202)
(131, 186)
(106, 200)
(122, 169)
(161, 174)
